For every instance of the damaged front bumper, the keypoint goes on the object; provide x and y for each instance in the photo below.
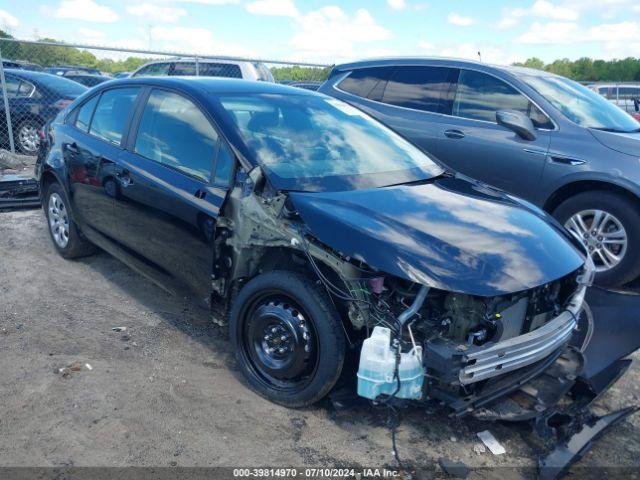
(557, 400)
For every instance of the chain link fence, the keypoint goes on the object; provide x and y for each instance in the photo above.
(39, 78)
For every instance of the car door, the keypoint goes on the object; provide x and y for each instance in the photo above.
(173, 179)
(474, 144)
(91, 150)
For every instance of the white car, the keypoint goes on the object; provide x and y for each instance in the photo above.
(626, 96)
(206, 68)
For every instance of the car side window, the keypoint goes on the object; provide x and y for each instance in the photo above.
(154, 70)
(224, 165)
(13, 86)
(26, 89)
(112, 113)
(479, 96)
(183, 68)
(362, 82)
(85, 112)
(417, 87)
(174, 132)
(228, 70)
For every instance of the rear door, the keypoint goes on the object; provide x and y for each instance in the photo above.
(174, 177)
(473, 143)
(91, 151)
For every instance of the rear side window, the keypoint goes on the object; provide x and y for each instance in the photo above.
(183, 69)
(153, 70)
(479, 96)
(228, 70)
(112, 113)
(13, 85)
(364, 81)
(83, 119)
(174, 132)
(416, 87)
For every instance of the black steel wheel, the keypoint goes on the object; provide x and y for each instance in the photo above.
(288, 338)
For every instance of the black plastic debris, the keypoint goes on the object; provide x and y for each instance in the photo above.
(18, 191)
(453, 468)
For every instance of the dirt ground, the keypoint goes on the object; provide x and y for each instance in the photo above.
(166, 392)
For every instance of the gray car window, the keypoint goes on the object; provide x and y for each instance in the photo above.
(362, 82)
(479, 96)
(13, 85)
(417, 87)
(174, 132)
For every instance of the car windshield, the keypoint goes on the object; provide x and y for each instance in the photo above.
(316, 143)
(582, 105)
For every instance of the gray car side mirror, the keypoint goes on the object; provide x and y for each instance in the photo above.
(518, 122)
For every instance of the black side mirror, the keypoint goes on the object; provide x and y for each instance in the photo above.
(636, 104)
(518, 122)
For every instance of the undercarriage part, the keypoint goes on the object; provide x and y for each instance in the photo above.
(17, 191)
(557, 462)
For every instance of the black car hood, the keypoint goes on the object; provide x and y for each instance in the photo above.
(628, 143)
(450, 234)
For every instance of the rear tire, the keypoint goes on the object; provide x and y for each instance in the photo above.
(26, 137)
(622, 256)
(62, 229)
(288, 338)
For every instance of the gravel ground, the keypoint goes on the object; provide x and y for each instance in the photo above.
(166, 392)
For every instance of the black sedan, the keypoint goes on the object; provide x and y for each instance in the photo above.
(34, 98)
(313, 225)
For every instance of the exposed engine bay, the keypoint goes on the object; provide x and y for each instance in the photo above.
(515, 356)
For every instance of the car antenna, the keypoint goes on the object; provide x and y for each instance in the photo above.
(479, 56)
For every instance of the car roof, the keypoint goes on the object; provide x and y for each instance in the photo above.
(215, 85)
(29, 74)
(200, 60)
(439, 61)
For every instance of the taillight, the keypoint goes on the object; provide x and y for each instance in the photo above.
(60, 104)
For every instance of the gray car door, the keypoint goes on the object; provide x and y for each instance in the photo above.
(473, 143)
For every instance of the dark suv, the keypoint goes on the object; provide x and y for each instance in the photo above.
(537, 135)
(310, 224)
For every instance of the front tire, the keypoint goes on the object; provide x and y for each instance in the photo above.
(608, 224)
(62, 228)
(288, 338)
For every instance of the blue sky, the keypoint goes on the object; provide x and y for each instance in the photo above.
(333, 31)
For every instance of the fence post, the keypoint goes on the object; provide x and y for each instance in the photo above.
(5, 98)
(197, 67)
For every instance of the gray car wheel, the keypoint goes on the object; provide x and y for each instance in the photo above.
(28, 139)
(608, 225)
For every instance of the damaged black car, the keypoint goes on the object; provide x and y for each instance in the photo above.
(319, 235)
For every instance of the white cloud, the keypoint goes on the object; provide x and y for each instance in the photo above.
(86, 10)
(552, 32)
(540, 9)
(459, 20)
(397, 4)
(490, 53)
(91, 34)
(157, 12)
(282, 8)
(194, 40)
(329, 34)
(8, 20)
(426, 46)
(611, 35)
(209, 2)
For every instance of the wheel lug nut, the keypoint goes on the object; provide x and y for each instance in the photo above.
(590, 248)
(599, 239)
(593, 234)
(283, 338)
